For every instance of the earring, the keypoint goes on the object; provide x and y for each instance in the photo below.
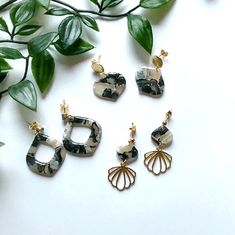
(83, 149)
(158, 161)
(41, 168)
(122, 177)
(149, 79)
(110, 86)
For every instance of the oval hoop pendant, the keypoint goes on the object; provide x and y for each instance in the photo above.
(82, 149)
(47, 168)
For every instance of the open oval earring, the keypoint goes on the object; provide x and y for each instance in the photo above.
(80, 149)
(110, 86)
(149, 79)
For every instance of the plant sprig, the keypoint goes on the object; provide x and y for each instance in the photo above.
(67, 39)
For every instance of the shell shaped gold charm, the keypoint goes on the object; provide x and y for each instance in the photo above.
(158, 162)
(121, 177)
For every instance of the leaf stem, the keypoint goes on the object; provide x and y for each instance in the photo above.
(24, 76)
(14, 41)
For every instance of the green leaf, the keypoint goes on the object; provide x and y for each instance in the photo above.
(22, 12)
(44, 3)
(28, 30)
(1, 144)
(3, 25)
(153, 3)
(43, 67)
(58, 11)
(40, 43)
(10, 53)
(24, 92)
(4, 69)
(95, 2)
(70, 30)
(141, 30)
(79, 47)
(90, 22)
(111, 3)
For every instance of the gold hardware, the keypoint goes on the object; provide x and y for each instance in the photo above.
(97, 67)
(35, 126)
(64, 110)
(168, 116)
(158, 60)
(132, 134)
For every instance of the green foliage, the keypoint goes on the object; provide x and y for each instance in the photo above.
(44, 3)
(3, 25)
(4, 69)
(153, 3)
(24, 92)
(43, 67)
(58, 11)
(28, 30)
(10, 53)
(1, 144)
(90, 22)
(141, 30)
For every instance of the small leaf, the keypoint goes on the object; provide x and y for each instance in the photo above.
(22, 12)
(90, 22)
(141, 30)
(3, 25)
(69, 30)
(28, 30)
(44, 3)
(1, 144)
(4, 69)
(24, 92)
(77, 48)
(58, 11)
(10, 53)
(40, 43)
(111, 3)
(153, 3)
(43, 67)
(95, 2)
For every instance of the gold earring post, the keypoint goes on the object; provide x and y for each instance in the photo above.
(132, 134)
(158, 60)
(36, 127)
(168, 116)
(96, 66)
(64, 110)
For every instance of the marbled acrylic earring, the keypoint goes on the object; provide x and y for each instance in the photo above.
(158, 161)
(80, 149)
(42, 168)
(122, 177)
(110, 85)
(149, 79)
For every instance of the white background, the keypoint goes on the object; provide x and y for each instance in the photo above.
(196, 196)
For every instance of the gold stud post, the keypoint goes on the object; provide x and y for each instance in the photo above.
(158, 60)
(132, 134)
(36, 127)
(64, 110)
(96, 66)
(168, 116)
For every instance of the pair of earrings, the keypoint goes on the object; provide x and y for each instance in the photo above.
(157, 161)
(78, 149)
(149, 80)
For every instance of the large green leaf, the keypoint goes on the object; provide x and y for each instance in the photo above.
(44, 3)
(10, 53)
(22, 12)
(4, 69)
(90, 22)
(40, 43)
(1, 144)
(70, 30)
(141, 30)
(153, 3)
(79, 47)
(3, 25)
(28, 30)
(58, 11)
(24, 92)
(43, 67)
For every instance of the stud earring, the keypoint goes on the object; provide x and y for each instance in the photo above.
(41, 168)
(110, 86)
(149, 79)
(81, 149)
(158, 161)
(122, 177)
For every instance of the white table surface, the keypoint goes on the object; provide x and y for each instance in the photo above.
(196, 196)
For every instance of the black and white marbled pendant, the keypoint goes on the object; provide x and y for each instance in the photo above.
(110, 87)
(162, 136)
(127, 153)
(82, 149)
(47, 168)
(150, 81)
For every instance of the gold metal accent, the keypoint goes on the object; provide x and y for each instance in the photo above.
(64, 110)
(121, 177)
(36, 127)
(157, 162)
(168, 116)
(132, 134)
(97, 67)
(158, 60)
